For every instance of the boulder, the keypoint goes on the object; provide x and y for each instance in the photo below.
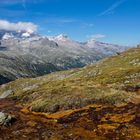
(5, 119)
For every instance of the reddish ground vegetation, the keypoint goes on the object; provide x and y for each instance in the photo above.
(97, 121)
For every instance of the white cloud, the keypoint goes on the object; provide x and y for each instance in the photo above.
(111, 9)
(97, 36)
(19, 26)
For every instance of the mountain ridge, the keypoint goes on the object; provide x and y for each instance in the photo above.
(61, 52)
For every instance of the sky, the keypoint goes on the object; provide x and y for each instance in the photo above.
(112, 21)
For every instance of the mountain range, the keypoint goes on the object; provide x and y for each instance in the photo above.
(28, 54)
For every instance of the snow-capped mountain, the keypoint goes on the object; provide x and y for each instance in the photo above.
(63, 40)
(91, 44)
(26, 34)
(61, 37)
(60, 52)
(26, 39)
(6, 34)
(105, 48)
(66, 41)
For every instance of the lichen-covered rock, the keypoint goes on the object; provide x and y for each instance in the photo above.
(5, 119)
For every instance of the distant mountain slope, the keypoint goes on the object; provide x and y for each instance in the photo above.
(14, 65)
(113, 80)
(60, 52)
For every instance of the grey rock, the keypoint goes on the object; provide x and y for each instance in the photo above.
(5, 119)
(6, 94)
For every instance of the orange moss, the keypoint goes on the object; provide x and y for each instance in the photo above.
(100, 123)
(62, 114)
(31, 123)
(108, 126)
(118, 118)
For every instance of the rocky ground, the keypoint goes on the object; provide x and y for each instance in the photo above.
(96, 121)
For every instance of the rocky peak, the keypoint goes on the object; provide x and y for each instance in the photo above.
(62, 37)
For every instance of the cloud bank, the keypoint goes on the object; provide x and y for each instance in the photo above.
(19, 26)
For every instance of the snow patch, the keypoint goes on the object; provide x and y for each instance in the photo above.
(7, 36)
(26, 34)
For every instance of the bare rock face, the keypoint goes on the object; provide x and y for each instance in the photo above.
(6, 120)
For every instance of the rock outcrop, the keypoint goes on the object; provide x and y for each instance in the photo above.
(6, 120)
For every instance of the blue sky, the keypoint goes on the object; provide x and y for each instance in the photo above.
(114, 21)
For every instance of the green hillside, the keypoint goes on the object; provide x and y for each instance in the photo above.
(113, 80)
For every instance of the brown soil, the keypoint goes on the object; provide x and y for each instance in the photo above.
(94, 122)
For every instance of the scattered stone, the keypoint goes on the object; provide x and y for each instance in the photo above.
(16, 133)
(6, 94)
(6, 120)
(30, 87)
